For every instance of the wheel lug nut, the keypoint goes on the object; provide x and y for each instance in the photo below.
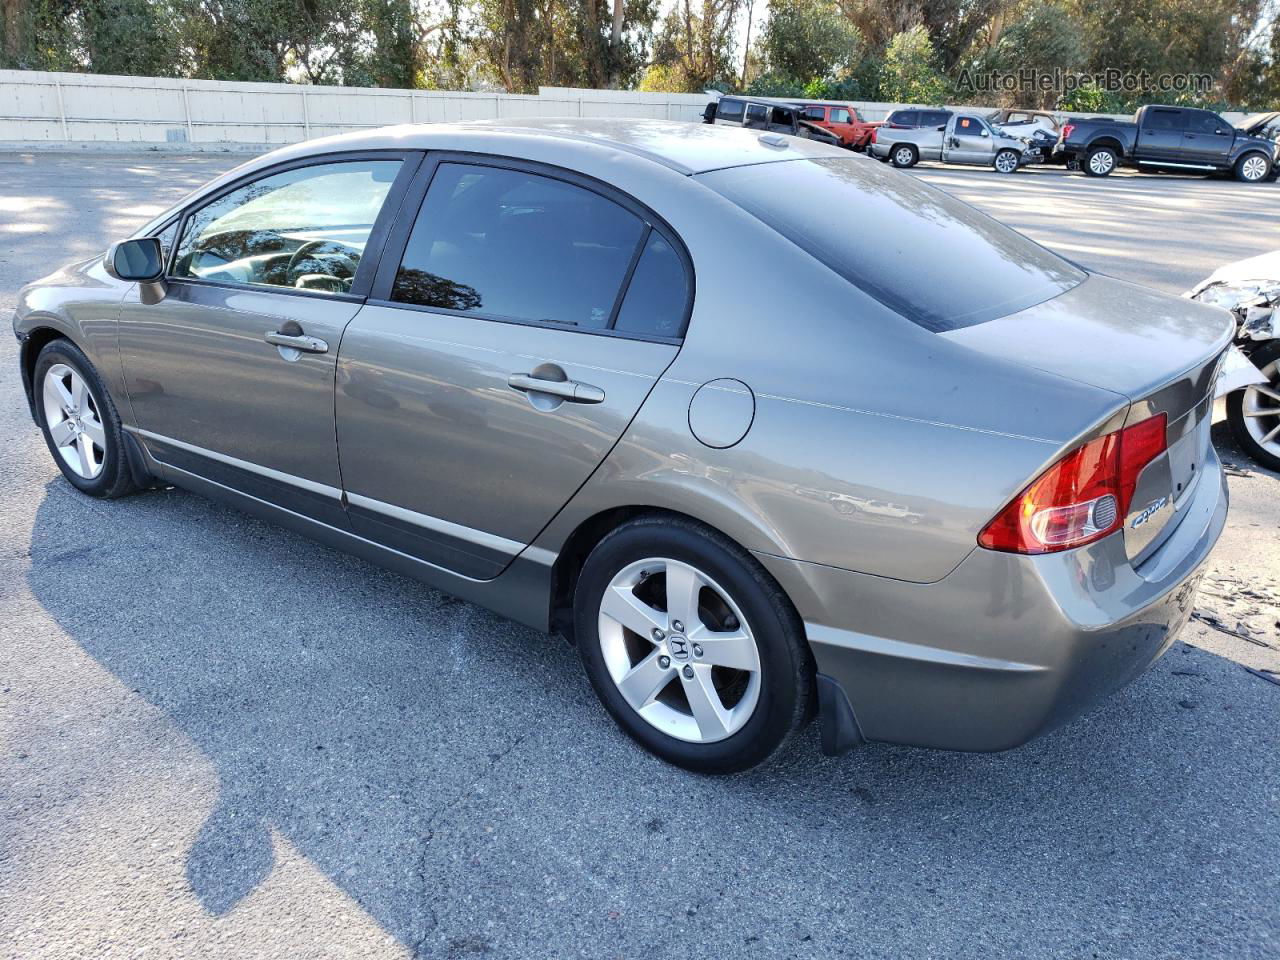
(697, 650)
(688, 672)
(658, 635)
(677, 626)
(664, 662)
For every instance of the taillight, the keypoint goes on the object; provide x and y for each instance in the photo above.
(873, 135)
(1066, 130)
(1081, 498)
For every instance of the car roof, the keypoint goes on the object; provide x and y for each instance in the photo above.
(685, 147)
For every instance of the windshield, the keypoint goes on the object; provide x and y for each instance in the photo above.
(934, 260)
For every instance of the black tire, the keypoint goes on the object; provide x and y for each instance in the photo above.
(1263, 356)
(1251, 160)
(1102, 166)
(115, 478)
(904, 155)
(995, 163)
(786, 695)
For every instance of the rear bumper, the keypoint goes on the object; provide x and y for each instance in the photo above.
(1004, 648)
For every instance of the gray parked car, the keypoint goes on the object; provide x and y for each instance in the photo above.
(964, 138)
(939, 487)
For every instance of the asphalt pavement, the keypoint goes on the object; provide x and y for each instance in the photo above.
(218, 739)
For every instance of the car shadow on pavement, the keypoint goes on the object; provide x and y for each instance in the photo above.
(453, 774)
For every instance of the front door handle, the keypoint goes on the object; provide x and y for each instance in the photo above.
(297, 342)
(569, 390)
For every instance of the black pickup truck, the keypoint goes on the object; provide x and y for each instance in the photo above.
(1175, 138)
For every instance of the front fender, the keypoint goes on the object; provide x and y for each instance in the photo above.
(80, 302)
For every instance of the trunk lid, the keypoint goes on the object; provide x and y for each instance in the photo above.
(1161, 353)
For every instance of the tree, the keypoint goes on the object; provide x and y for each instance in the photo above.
(694, 46)
(1045, 38)
(909, 74)
(808, 40)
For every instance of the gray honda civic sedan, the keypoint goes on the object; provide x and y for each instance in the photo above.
(638, 383)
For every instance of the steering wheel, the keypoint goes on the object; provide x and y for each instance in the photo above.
(307, 248)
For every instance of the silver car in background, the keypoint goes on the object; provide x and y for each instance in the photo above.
(637, 383)
(965, 138)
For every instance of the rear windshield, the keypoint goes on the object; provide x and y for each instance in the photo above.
(925, 255)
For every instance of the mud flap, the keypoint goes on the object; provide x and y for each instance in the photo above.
(839, 727)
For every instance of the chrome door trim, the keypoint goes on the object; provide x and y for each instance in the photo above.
(479, 538)
(323, 489)
(489, 541)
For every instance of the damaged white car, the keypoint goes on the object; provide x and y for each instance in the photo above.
(1250, 289)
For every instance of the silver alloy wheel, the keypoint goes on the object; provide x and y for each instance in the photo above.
(694, 680)
(1254, 168)
(1261, 410)
(71, 413)
(903, 156)
(1102, 162)
(1006, 161)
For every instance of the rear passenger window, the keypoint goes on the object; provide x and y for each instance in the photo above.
(510, 244)
(904, 118)
(655, 302)
(1165, 120)
(817, 114)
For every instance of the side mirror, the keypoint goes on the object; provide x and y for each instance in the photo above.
(141, 261)
(942, 129)
(986, 133)
(138, 260)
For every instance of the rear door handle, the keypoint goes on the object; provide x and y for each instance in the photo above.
(297, 342)
(570, 390)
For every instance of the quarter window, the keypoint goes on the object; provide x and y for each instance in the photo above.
(304, 229)
(656, 298)
(730, 110)
(510, 244)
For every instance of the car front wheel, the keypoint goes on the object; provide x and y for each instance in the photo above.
(691, 646)
(1254, 412)
(80, 422)
(1006, 161)
(1253, 168)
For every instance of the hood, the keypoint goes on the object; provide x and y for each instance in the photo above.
(1251, 125)
(1109, 334)
(1265, 266)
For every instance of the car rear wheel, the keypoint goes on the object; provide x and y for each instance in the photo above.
(80, 422)
(904, 156)
(1101, 162)
(1254, 412)
(1006, 161)
(1253, 168)
(691, 646)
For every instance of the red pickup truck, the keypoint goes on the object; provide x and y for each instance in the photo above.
(839, 118)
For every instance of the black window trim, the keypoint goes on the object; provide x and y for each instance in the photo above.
(362, 282)
(411, 202)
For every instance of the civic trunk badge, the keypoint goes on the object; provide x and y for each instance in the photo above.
(1154, 507)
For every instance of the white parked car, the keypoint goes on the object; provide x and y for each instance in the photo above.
(1250, 289)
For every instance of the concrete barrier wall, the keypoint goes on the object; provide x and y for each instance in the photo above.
(87, 109)
(38, 107)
